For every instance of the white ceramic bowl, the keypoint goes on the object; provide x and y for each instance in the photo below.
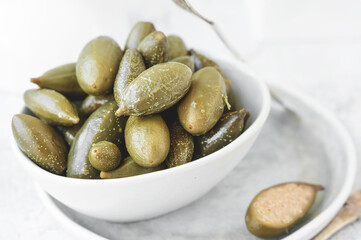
(151, 195)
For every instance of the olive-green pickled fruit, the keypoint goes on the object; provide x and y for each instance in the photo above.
(102, 125)
(97, 65)
(181, 146)
(228, 128)
(61, 79)
(176, 47)
(138, 33)
(105, 156)
(129, 168)
(147, 140)
(187, 60)
(130, 67)
(51, 107)
(277, 209)
(92, 103)
(153, 48)
(40, 142)
(155, 89)
(201, 61)
(70, 132)
(203, 105)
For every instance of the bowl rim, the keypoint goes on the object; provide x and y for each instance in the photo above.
(247, 134)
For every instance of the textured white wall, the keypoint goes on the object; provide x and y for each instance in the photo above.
(37, 35)
(310, 20)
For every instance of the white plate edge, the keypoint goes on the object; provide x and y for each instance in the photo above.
(80, 231)
(313, 227)
(309, 230)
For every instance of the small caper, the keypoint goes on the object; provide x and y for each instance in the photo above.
(139, 31)
(51, 107)
(97, 65)
(92, 103)
(176, 47)
(129, 168)
(40, 142)
(153, 48)
(203, 105)
(147, 140)
(105, 156)
(181, 146)
(228, 128)
(155, 89)
(187, 60)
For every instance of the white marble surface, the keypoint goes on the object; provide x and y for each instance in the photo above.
(36, 35)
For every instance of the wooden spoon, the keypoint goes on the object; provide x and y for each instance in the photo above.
(350, 212)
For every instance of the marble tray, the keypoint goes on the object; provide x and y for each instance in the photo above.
(310, 146)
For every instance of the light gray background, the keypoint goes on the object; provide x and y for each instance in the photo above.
(314, 46)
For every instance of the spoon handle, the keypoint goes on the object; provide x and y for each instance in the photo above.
(350, 212)
(229, 46)
(185, 5)
(343, 218)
